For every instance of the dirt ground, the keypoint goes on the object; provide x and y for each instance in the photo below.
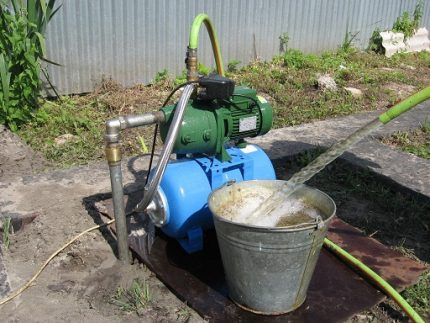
(80, 283)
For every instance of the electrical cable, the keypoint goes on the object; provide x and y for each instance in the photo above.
(247, 97)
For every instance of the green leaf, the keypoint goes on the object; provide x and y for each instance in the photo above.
(42, 43)
(5, 78)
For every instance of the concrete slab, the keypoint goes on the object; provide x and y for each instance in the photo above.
(403, 168)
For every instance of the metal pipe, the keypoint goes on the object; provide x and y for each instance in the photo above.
(119, 212)
(114, 126)
(172, 134)
(113, 156)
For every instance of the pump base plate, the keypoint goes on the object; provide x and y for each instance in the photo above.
(335, 293)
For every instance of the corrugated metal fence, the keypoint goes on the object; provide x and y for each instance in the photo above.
(131, 40)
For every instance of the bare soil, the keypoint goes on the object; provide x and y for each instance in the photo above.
(80, 283)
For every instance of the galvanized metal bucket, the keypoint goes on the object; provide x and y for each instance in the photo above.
(268, 270)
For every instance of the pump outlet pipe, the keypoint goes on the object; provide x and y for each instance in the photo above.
(405, 105)
(191, 60)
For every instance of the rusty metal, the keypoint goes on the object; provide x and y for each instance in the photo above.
(395, 268)
(335, 292)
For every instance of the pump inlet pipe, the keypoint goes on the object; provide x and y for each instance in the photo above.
(113, 157)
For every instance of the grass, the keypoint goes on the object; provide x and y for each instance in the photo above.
(419, 295)
(134, 298)
(416, 141)
(288, 82)
(183, 314)
(7, 230)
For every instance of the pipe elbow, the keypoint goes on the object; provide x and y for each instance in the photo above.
(113, 128)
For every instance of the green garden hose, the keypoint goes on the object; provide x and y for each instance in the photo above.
(378, 280)
(405, 105)
(194, 39)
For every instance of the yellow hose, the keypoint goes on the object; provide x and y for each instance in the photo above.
(378, 280)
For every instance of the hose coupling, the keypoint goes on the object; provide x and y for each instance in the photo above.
(192, 64)
(113, 153)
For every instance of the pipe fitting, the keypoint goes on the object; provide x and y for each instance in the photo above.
(113, 153)
(192, 64)
(113, 128)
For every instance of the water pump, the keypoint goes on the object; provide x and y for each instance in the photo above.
(206, 129)
(211, 151)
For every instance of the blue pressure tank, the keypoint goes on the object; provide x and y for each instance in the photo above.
(187, 183)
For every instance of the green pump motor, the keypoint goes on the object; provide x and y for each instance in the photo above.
(220, 114)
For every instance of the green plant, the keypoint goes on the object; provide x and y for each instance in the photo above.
(143, 147)
(407, 24)
(416, 142)
(22, 46)
(296, 59)
(283, 42)
(161, 76)
(375, 42)
(348, 39)
(305, 157)
(183, 314)
(7, 230)
(134, 298)
(232, 65)
(419, 295)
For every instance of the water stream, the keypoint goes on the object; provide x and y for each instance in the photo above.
(275, 200)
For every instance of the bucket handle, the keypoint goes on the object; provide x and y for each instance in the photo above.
(319, 224)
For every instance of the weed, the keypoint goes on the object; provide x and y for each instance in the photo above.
(283, 42)
(416, 142)
(143, 147)
(348, 39)
(53, 120)
(407, 24)
(161, 76)
(418, 296)
(375, 42)
(183, 314)
(7, 230)
(305, 157)
(20, 54)
(297, 59)
(133, 299)
(232, 65)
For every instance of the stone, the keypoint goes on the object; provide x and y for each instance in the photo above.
(63, 139)
(326, 82)
(357, 93)
(392, 42)
(397, 42)
(419, 41)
